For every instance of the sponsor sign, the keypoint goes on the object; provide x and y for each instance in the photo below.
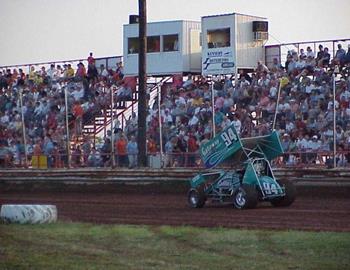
(218, 61)
(220, 147)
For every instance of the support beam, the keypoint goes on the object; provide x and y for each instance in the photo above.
(142, 102)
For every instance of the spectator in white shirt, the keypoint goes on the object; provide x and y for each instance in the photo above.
(78, 93)
(226, 122)
(193, 121)
(237, 124)
(309, 52)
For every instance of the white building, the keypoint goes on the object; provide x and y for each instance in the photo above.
(173, 47)
(232, 41)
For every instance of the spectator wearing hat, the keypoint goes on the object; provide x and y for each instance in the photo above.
(313, 146)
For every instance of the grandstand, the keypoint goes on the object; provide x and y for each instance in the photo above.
(185, 107)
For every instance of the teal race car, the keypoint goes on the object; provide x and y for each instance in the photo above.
(252, 179)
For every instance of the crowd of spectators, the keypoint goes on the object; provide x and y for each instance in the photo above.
(304, 111)
(43, 91)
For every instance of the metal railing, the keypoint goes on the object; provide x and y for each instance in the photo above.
(280, 51)
(109, 62)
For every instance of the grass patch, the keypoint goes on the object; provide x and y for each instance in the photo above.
(88, 246)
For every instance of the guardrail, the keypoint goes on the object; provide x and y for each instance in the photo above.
(305, 159)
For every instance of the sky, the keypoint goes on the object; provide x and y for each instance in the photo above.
(34, 31)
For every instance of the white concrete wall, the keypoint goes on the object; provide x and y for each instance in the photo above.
(210, 55)
(244, 49)
(161, 63)
(249, 52)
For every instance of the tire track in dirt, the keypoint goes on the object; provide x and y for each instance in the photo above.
(319, 214)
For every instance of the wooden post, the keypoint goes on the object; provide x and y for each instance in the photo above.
(142, 106)
(334, 126)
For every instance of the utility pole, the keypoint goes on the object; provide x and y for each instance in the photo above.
(142, 102)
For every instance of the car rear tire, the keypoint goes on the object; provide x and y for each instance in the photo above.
(290, 192)
(196, 198)
(245, 197)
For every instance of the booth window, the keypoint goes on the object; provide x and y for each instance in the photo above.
(153, 44)
(219, 38)
(133, 45)
(170, 43)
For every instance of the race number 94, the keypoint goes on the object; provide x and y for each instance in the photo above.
(270, 188)
(229, 137)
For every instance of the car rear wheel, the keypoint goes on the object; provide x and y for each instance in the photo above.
(196, 198)
(245, 197)
(290, 192)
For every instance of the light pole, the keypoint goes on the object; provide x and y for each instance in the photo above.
(277, 104)
(213, 107)
(23, 129)
(160, 128)
(67, 126)
(112, 127)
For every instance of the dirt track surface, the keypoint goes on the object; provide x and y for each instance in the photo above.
(307, 213)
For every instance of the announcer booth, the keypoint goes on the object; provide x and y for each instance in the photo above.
(232, 41)
(173, 47)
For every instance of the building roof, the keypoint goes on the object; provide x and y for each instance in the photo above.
(167, 22)
(234, 13)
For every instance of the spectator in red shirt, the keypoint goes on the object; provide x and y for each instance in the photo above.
(78, 113)
(151, 145)
(51, 120)
(192, 145)
(91, 60)
(92, 72)
(122, 155)
(81, 71)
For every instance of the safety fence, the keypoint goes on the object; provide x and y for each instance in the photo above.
(109, 62)
(95, 159)
(280, 51)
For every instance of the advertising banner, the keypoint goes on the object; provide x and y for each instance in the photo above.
(218, 61)
(222, 146)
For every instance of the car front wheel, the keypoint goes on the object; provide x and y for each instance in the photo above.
(245, 197)
(196, 198)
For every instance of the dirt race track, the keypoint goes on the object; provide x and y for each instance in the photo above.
(309, 212)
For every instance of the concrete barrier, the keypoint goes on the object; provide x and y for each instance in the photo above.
(28, 213)
(92, 176)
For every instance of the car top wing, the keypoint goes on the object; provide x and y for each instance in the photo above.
(228, 144)
(268, 146)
